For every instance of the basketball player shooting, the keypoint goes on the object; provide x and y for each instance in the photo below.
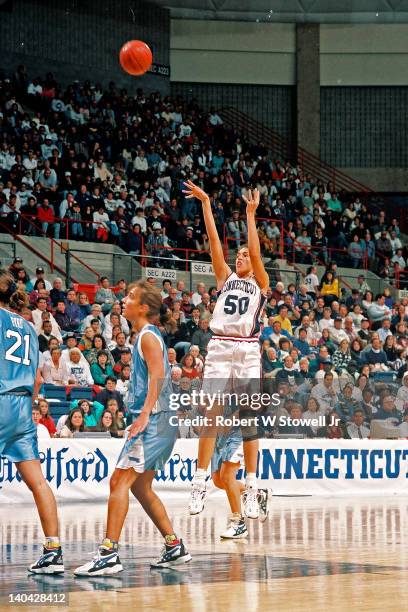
(233, 356)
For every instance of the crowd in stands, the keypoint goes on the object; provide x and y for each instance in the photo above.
(87, 162)
(90, 163)
(341, 357)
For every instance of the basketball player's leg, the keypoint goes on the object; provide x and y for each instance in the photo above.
(106, 561)
(51, 561)
(31, 473)
(20, 446)
(225, 477)
(174, 552)
(206, 446)
(208, 435)
(248, 373)
(118, 503)
(216, 380)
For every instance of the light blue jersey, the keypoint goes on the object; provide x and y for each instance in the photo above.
(18, 367)
(150, 449)
(139, 378)
(18, 353)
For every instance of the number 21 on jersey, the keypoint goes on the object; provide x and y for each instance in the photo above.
(18, 341)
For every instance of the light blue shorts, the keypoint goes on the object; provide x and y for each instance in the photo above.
(18, 433)
(228, 447)
(151, 449)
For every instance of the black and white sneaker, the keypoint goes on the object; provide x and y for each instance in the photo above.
(197, 497)
(263, 503)
(105, 563)
(172, 555)
(50, 562)
(236, 529)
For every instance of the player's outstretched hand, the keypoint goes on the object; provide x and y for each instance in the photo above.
(252, 201)
(138, 425)
(193, 191)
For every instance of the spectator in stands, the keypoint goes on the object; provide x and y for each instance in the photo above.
(388, 411)
(196, 297)
(375, 357)
(45, 336)
(123, 382)
(73, 424)
(188, 369)
(46, 419)
(325, 393)
(105, 296)
(55, 371)
(79, 374)
(378, 311)
(284, 320)
(110, 392)
(329, 288)
(101, 369)
(96, 313)
(125, 360)
(106, 424)
(118, 416)
(42, 431)
(202, 336)
(57, 293)
(64, 320)
(38, 318)
(357, 428)
(84, 306)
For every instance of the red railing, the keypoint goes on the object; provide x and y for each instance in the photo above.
(229, 239)
(184, 254)
(53, 243)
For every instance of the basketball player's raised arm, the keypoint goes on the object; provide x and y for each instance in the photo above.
(221, 269)
(254, 247)
(153, 356)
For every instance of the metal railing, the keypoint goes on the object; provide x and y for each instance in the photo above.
(49, 256)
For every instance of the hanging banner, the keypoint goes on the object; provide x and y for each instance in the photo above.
(79, 470)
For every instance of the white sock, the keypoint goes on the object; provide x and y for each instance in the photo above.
(200, 475)
(251, 481)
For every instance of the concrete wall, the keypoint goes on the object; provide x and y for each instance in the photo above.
(232, 52)
(380, 179)
(81, 40)
(364, 54)
(264, 53)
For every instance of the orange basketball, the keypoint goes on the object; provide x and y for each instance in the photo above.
(135, 57)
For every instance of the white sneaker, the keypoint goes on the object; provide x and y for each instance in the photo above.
(105, 563)
(250, 503)
(236, 529)
(197, 497)
(263, 503)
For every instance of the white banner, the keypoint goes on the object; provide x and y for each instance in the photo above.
(79, 470)
(161, 274)
(199, 267)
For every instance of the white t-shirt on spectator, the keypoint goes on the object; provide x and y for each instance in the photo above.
(42, 431)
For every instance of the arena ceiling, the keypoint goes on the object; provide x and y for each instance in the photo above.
(304, 11)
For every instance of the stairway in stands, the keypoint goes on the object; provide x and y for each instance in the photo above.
(253, 131)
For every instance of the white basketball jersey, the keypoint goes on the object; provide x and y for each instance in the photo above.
(238, 308)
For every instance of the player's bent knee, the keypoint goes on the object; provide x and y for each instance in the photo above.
(228, 474)
(122, 479)
(217, 480)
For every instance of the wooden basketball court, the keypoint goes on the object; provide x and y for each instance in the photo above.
(312, 554)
